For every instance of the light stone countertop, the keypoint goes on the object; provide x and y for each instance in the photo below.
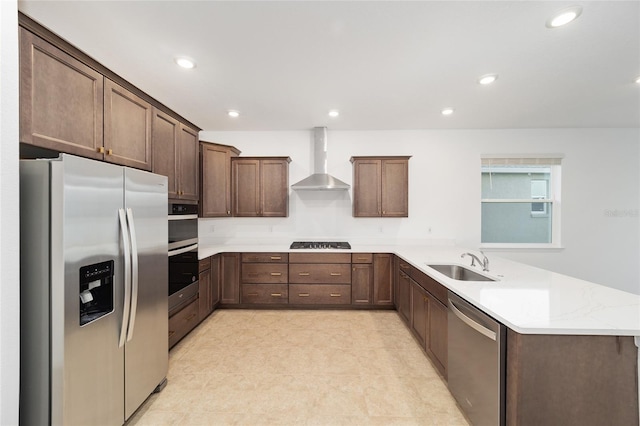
(526, 299)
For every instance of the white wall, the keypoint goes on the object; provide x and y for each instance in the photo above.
(600, 175)
(9, 215)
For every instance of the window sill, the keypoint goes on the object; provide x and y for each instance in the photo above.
(521, 247)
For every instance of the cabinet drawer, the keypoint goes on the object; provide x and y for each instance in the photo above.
(265, 293)
(204, 264)
(319, 257)
(320, 273)
(319, 294)
(183, 322)
(362, 258)
(265, 257)
(264, 273)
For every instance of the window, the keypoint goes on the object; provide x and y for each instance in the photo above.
(539, 191)
(509, 217)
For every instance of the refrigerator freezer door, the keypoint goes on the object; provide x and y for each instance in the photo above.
(146, 349)
(87, 364)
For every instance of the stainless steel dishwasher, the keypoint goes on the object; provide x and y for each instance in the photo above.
(476, 362)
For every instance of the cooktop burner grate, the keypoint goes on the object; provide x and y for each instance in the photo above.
(320, 245)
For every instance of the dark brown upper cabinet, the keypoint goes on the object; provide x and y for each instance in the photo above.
(380, 186)
(127, 127)
(175, 155)
(61, 100)
(260, 186)
(215, 179)
(71, 103)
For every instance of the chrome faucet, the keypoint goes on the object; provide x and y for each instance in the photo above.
(484, 262)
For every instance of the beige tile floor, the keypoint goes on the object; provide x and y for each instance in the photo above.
(255, 367)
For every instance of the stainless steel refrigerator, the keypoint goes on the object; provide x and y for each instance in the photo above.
(93, 290)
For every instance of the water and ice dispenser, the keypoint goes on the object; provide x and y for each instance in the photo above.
(96, 291)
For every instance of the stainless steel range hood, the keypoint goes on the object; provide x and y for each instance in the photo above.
(320, 180)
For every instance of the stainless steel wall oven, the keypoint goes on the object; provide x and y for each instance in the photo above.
(183, 255)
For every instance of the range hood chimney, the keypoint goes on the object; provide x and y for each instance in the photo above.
(320, 180)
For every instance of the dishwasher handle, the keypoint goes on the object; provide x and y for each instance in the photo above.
(471, 323)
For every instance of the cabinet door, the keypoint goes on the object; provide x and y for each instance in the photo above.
(419, 313)
(61, 100)
(437, 345)
(404, 297)
(230, 278)
(204, 299)
(395, 188)
(382, 279)
(165, 140)
(127, 127)
(366, 188)
(215, 281)
(188, 164)
(246, 187)
(215, 198)
(361, 283)
(274, 184)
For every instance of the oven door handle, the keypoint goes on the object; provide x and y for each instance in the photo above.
(182, 250)
(183, 216)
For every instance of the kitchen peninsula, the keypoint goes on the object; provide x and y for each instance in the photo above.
(570, 352)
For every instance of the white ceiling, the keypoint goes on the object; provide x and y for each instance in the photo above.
(384, 64)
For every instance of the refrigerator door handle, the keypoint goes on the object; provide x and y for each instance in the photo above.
(134, 274)
(127, 276)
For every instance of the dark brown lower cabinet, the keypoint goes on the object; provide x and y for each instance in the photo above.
(437, 344)
(361, 283)
(204, 294)
(265, 294)
(420, 313)
(319, 294)
(404, 297)
(383, 279)
(215, 281)
(229, 278)
(181, 323)
(571, 380)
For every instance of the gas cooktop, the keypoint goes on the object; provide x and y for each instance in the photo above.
(320, 245)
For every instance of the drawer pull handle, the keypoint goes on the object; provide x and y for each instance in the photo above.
(276, 257)
(335, 274)
(276, 274)
(171, 333)
(101, 149)
(362, 258)
(334, 294)
(190, 317)
(304, 274)
(303, 294)
(276, 294)
(252, 294)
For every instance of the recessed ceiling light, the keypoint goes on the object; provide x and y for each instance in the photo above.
(185, 62)
(638, 80)
(447, 111)
(233, 113)
(488, 79)
(334, 113)
(564, 16)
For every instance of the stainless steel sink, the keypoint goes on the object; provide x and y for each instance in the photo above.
(461, 273)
